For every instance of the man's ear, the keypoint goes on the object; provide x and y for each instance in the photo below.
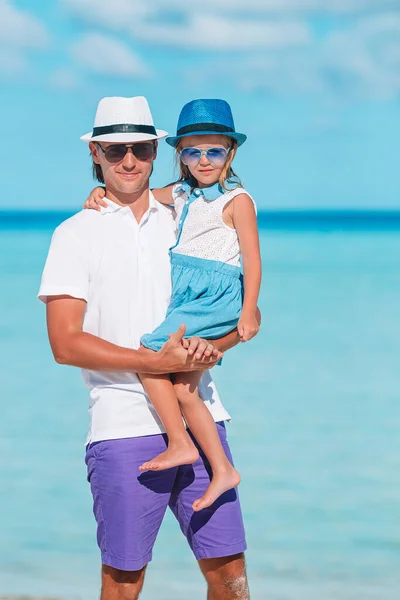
(95, 152)
(155, 149)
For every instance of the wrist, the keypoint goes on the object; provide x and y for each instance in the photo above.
(147, 361)
(249, 310)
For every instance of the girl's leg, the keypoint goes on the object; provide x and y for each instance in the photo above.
(201, 424)
(181, 450)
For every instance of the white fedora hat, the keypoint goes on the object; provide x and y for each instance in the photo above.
(123, 120)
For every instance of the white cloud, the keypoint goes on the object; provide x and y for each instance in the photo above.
(107, 56)
(322, 6)
(278, 49)
(361, 61)
(20, 29)
(146, 23)
(278, 7)
(367, 57)
(12, 63)
(121, 12)
(113, 14)
(65, 79)
(211, 32)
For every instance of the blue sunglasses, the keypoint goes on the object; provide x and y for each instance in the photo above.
(216, 156)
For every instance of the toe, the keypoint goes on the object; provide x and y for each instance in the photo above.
(201, 503)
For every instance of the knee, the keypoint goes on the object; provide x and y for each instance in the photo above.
(184, 394)
(236, 587)
(121, 585)
(226, 577)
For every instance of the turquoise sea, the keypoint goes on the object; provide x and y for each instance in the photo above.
(315, 400)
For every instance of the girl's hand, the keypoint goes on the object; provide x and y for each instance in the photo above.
(248, 326)
(199, 347)
(95, 200)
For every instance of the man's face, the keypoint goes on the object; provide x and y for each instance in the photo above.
(130, 174)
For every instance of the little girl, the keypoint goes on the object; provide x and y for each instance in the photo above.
(217, 235)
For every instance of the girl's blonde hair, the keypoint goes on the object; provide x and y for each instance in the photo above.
(228, 175)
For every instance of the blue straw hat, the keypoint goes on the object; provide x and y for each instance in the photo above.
(204, 117)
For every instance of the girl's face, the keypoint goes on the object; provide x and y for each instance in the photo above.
(204, 171)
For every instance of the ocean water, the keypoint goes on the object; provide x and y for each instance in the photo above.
(315, 430)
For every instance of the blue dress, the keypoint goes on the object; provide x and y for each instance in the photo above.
(207, 294)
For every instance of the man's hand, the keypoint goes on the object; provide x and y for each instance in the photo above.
(174, 358)
(199, 347)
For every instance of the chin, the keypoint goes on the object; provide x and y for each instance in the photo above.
(208, 180)
(130, 187)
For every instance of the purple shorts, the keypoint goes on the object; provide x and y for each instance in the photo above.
(129, 506)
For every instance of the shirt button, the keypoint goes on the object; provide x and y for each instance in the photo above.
(197, 193)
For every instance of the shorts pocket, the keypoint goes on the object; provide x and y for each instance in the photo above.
(93, 450)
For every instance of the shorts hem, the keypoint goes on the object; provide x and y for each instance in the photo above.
(150, 345)
(125, 564)
(220, 551)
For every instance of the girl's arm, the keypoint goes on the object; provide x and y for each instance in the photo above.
(95, 198)
(230, 340)
(245, 223)
(164, 195)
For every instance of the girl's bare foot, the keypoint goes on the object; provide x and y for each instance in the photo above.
(183, 453)
(220, 483)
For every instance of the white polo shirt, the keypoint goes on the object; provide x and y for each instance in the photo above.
(121, 269)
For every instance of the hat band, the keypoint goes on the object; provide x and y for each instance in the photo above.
(205, 127)
(124, 128)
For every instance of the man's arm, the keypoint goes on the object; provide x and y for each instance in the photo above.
(227, 342)
(72, 346)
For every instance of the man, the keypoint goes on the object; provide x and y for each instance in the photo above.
(107, 282)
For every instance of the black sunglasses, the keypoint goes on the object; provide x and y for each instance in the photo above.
(117, 152)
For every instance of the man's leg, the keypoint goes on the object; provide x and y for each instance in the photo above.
(215, 534)
(129, 507)
(226, 577)
(121, 585)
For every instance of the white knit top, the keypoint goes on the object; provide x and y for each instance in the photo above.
(202, 232)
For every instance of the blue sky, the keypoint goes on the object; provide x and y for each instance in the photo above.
(314, 83)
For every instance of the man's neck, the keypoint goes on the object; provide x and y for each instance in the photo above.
(138, 202)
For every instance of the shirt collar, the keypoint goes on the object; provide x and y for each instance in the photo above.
(210, 193)
(153, 204)
(213, 192)
(114, 207)
(111, 206)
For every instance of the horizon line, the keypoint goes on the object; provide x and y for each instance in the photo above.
(274, 209)
(291, 219)
(287, 219)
